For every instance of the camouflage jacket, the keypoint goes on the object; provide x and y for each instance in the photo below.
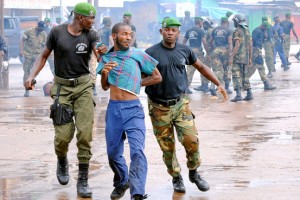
(34, 42)
(243, 54)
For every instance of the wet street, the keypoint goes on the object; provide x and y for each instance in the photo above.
(249, 150)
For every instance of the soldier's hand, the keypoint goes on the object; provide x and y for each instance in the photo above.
(222, 90)
(29, 84)
(101, 49)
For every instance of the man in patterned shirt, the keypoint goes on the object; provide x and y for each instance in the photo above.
(121, 71)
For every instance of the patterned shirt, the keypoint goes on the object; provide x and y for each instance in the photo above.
(127, 75)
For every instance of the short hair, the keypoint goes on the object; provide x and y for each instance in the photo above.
(117, 26)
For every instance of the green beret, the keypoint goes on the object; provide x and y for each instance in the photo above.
(228, 14)
(199, 18)
(47, 19)
(127, 14)
(85, 9)
(264, 18)
(169, 22)
(224, 19)
(266, 24)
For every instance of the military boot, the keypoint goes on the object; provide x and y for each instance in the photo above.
(286, 67)
(205, 88)
(83, 189)
(62, 172)
(213, 93)
(249, 95)
(268, 86)
(227, 88)
(178, 184)
(200, 182)
(26, 94)
(297, 56)
(238, 96)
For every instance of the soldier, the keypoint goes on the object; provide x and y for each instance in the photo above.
(221, 41)
(186, 22)
(169, 107)
(73, 107)
(105, 32)
(207, 26)
(3, 48)
(279, 40)
(3, 64)
(269, 46)
(127, 16)
(258, 37)
(241, 58)
(287, 26)
(196, 37)
(32, 44)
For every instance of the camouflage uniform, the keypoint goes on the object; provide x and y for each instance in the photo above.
(33, 46)
(269, 46)
(190, 70)
(240, 73)
(162, 118)
(258, 64)
(220, 54)
(207, 61)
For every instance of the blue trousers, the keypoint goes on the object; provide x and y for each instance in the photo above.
(279, 48)
(127, 118)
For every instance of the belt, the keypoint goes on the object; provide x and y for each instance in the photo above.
(165, 102)
(72, 81)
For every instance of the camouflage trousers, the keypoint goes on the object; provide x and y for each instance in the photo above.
(241, 76)
(164, 120)
(287, 46)
(269, 55)
(220, 56)
(27, 67)
(257, 63)
(190, 70)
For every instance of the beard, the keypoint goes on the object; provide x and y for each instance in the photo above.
(120, 46)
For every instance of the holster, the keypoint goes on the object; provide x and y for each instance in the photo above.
(60, 114)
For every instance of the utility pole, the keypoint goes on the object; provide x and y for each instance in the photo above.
(2, 17)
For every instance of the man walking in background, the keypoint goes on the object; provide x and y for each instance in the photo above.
(287, 26)
(32, 44)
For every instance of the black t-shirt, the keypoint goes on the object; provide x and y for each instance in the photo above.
(171, 65)
(258, 37)
(71, 53)
(220, 36)
(195, 35)
(287, 26)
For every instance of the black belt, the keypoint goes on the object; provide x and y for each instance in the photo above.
(165, 102)
(72, 81)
